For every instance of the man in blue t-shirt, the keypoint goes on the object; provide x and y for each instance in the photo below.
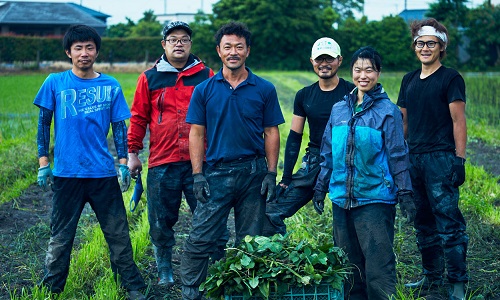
(238, 113)
(85, 104)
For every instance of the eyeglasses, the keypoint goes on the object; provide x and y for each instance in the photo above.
(421, 44)
(328, 59)
(183, 41)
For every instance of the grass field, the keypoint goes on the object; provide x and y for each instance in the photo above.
(90, 278)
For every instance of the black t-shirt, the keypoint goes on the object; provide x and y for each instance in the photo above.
(316, 105)
(430, 127)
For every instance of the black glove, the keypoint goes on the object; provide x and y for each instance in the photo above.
(200, 187)
(406, 204)
(319, 201)
(286, 180)
(457, 176)
(269, 185)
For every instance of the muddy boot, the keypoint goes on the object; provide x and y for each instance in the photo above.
(164, 265)
(425, 283)
(433, 265)
(457, 291)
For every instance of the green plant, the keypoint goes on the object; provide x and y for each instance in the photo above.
(261, 265)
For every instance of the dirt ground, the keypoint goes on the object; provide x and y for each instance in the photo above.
(24, 233)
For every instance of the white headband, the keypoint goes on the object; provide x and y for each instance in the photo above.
(429, 30)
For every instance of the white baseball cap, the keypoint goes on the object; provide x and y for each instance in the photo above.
(325, 46)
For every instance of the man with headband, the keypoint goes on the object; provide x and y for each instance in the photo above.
(432, 100)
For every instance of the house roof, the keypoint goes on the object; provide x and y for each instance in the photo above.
(44, 13)
(94, 13)
(410, 15)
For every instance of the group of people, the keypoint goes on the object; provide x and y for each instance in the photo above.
(214, 138)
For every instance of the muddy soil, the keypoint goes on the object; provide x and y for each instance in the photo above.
(24, 233)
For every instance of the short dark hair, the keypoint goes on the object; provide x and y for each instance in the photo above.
(416, 25)
(81, 33)
(237, 28)
(369, 53)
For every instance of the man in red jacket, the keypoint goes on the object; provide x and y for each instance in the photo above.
(161, 102)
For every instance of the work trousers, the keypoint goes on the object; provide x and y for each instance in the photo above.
(234, 185)
(300, 191)
(439, 223)
(165, 186)
(105, 198)
(366, 234)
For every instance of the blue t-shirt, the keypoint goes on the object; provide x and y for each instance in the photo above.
(234, 118)
(83, 112)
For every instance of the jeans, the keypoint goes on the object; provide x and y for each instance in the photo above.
(439, 223)
(233, 185)
(300, 191)
(366, 234)
(105, 198)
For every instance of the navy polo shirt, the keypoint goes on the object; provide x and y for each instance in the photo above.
(234, 118)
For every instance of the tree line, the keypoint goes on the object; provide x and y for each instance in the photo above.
(284, 31)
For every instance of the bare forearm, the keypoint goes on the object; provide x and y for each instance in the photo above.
(272, 147)
(197, 147)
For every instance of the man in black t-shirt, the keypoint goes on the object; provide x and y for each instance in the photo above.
(314, 104)
(432, 100)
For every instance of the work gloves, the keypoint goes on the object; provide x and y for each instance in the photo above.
(124, 177)
(200, 187)
(319, 201)
(457, 176)
(45, 177)
(286, 180)
(269, 185)
(406, 204)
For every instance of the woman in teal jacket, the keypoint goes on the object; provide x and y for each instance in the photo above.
(365, 171)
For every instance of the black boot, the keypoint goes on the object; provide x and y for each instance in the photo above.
(164, 265)
(433, 265)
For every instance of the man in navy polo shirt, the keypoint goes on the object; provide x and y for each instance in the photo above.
(238, 113)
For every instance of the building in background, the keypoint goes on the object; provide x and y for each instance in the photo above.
(47, 19)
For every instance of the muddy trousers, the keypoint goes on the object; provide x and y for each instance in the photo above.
(366, 234)
(234, 185)
(439, 223)
(300, 191)
(165, 186)
(105, 198)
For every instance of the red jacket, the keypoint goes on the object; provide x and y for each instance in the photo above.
(161, 101)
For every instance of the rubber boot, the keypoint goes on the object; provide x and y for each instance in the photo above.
(457, 291)
(433, 266)
(164, 265)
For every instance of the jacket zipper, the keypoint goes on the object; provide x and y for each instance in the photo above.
(160, 106)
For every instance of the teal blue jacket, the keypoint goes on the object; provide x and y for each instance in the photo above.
(364, 155)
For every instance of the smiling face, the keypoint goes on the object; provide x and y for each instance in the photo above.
(326, 66)
(364, 75)
(83, 55)
(233, 51)
(428, 56)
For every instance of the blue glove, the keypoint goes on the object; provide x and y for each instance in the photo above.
(124, 178)
(45, 177)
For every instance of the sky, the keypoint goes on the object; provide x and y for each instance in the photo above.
(134, 9)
